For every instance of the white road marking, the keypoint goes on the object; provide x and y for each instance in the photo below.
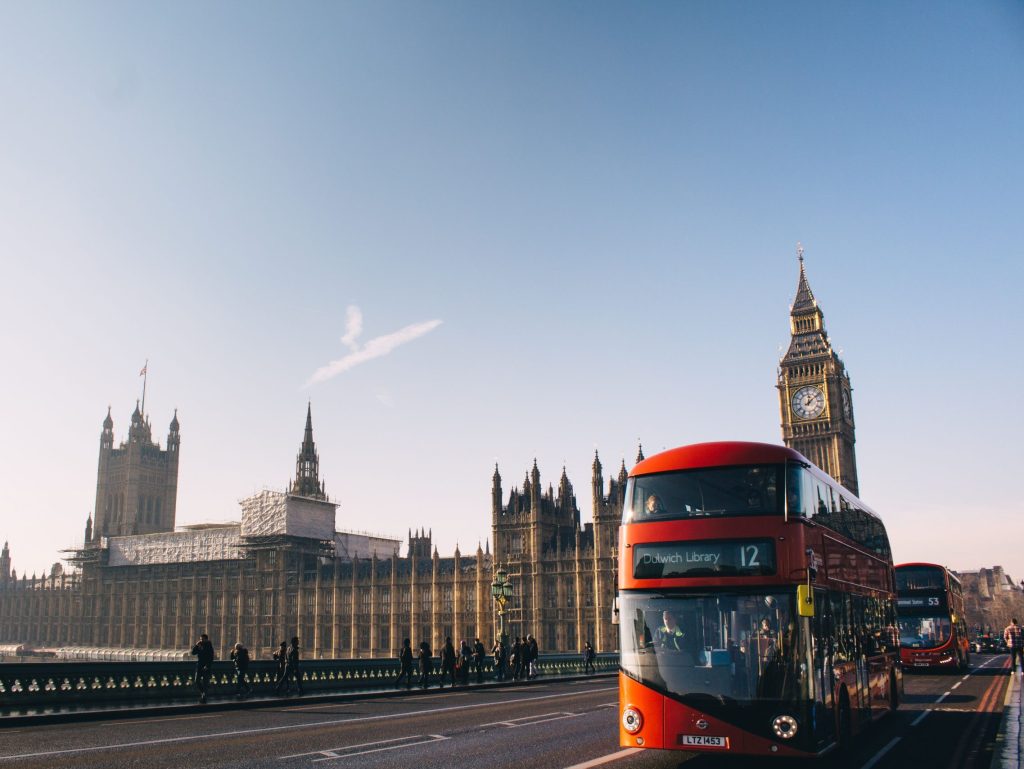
(430, 738)
(920, 718)
(605, 759)
(290, 727)
(331, 751)
(955, 685)
(515, 723)
(878, 756)
(156, 720)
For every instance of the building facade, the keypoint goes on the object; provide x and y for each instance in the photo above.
(815, 395)
(284, 570)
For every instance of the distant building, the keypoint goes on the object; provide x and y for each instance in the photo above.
(991, 598)
(283, 570)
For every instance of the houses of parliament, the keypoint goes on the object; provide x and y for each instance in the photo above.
(139, 583)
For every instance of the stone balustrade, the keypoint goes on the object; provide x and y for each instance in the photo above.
(26, 686)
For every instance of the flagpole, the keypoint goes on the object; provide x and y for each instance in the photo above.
(145, 376)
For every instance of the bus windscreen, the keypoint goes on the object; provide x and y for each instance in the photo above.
(712, 491)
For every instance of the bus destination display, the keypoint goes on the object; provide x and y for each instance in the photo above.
(931, 602)
(704, 559)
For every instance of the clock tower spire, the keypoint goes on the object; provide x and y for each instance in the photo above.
(815, 395)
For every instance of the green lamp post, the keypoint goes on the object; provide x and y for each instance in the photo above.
(501, 591)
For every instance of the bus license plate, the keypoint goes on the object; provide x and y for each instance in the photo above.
(703, 741)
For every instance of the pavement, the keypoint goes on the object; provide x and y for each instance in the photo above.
(1009, 748)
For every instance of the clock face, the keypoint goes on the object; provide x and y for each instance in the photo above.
(847, 408)
(808, 402)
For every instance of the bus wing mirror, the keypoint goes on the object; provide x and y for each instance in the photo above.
(805, 600)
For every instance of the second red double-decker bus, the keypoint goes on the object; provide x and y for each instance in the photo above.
(933, 631)
(756, 605)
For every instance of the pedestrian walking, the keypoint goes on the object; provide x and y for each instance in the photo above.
(291, 670)
(203, 651)
(532, 654)
(426, 659)
(1014, 637)
(240, 656)
(465, 662)
(281, 658)
(588, 658)
(515, 659)
(479, 652)
(500, 659)
(448, 661)
(405, 658)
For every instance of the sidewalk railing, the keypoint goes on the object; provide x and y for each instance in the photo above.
(49, 685)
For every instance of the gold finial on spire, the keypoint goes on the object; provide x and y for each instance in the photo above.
(800, 252)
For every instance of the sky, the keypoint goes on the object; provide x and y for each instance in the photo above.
(476, 233)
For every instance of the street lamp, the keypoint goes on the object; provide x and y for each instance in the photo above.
(501, 591)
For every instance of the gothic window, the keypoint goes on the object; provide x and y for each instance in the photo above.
(385, 601)
(250, 606)
(310, 601)
(551, 593)
(446, 599)
(364, 637)
(517, 543)
(426, 601)
(364, 602)
(328, 601)
(384, 638)
(405, 600)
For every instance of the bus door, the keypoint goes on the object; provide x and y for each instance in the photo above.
(822, 655)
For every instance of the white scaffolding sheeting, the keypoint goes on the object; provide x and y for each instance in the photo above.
(271, 513)
(349, 545)
(220, 544)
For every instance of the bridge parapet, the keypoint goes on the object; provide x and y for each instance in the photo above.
(43, 685)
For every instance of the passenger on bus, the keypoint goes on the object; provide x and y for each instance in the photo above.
(653, 506)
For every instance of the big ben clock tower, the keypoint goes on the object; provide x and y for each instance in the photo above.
(814, 391)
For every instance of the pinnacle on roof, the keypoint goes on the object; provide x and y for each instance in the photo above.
(108, 423)
(174, 422)
(804, 297)
(639, 452)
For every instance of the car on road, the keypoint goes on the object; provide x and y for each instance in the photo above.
(989, 644)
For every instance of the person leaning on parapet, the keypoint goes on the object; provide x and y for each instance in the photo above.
(405, 658)
(240, 656)
(1014, 637)
(203, 651)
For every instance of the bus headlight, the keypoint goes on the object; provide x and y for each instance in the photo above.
(632, 720)
(785, 727)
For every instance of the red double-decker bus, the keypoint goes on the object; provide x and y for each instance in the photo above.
(756, 605)
(933, 632)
